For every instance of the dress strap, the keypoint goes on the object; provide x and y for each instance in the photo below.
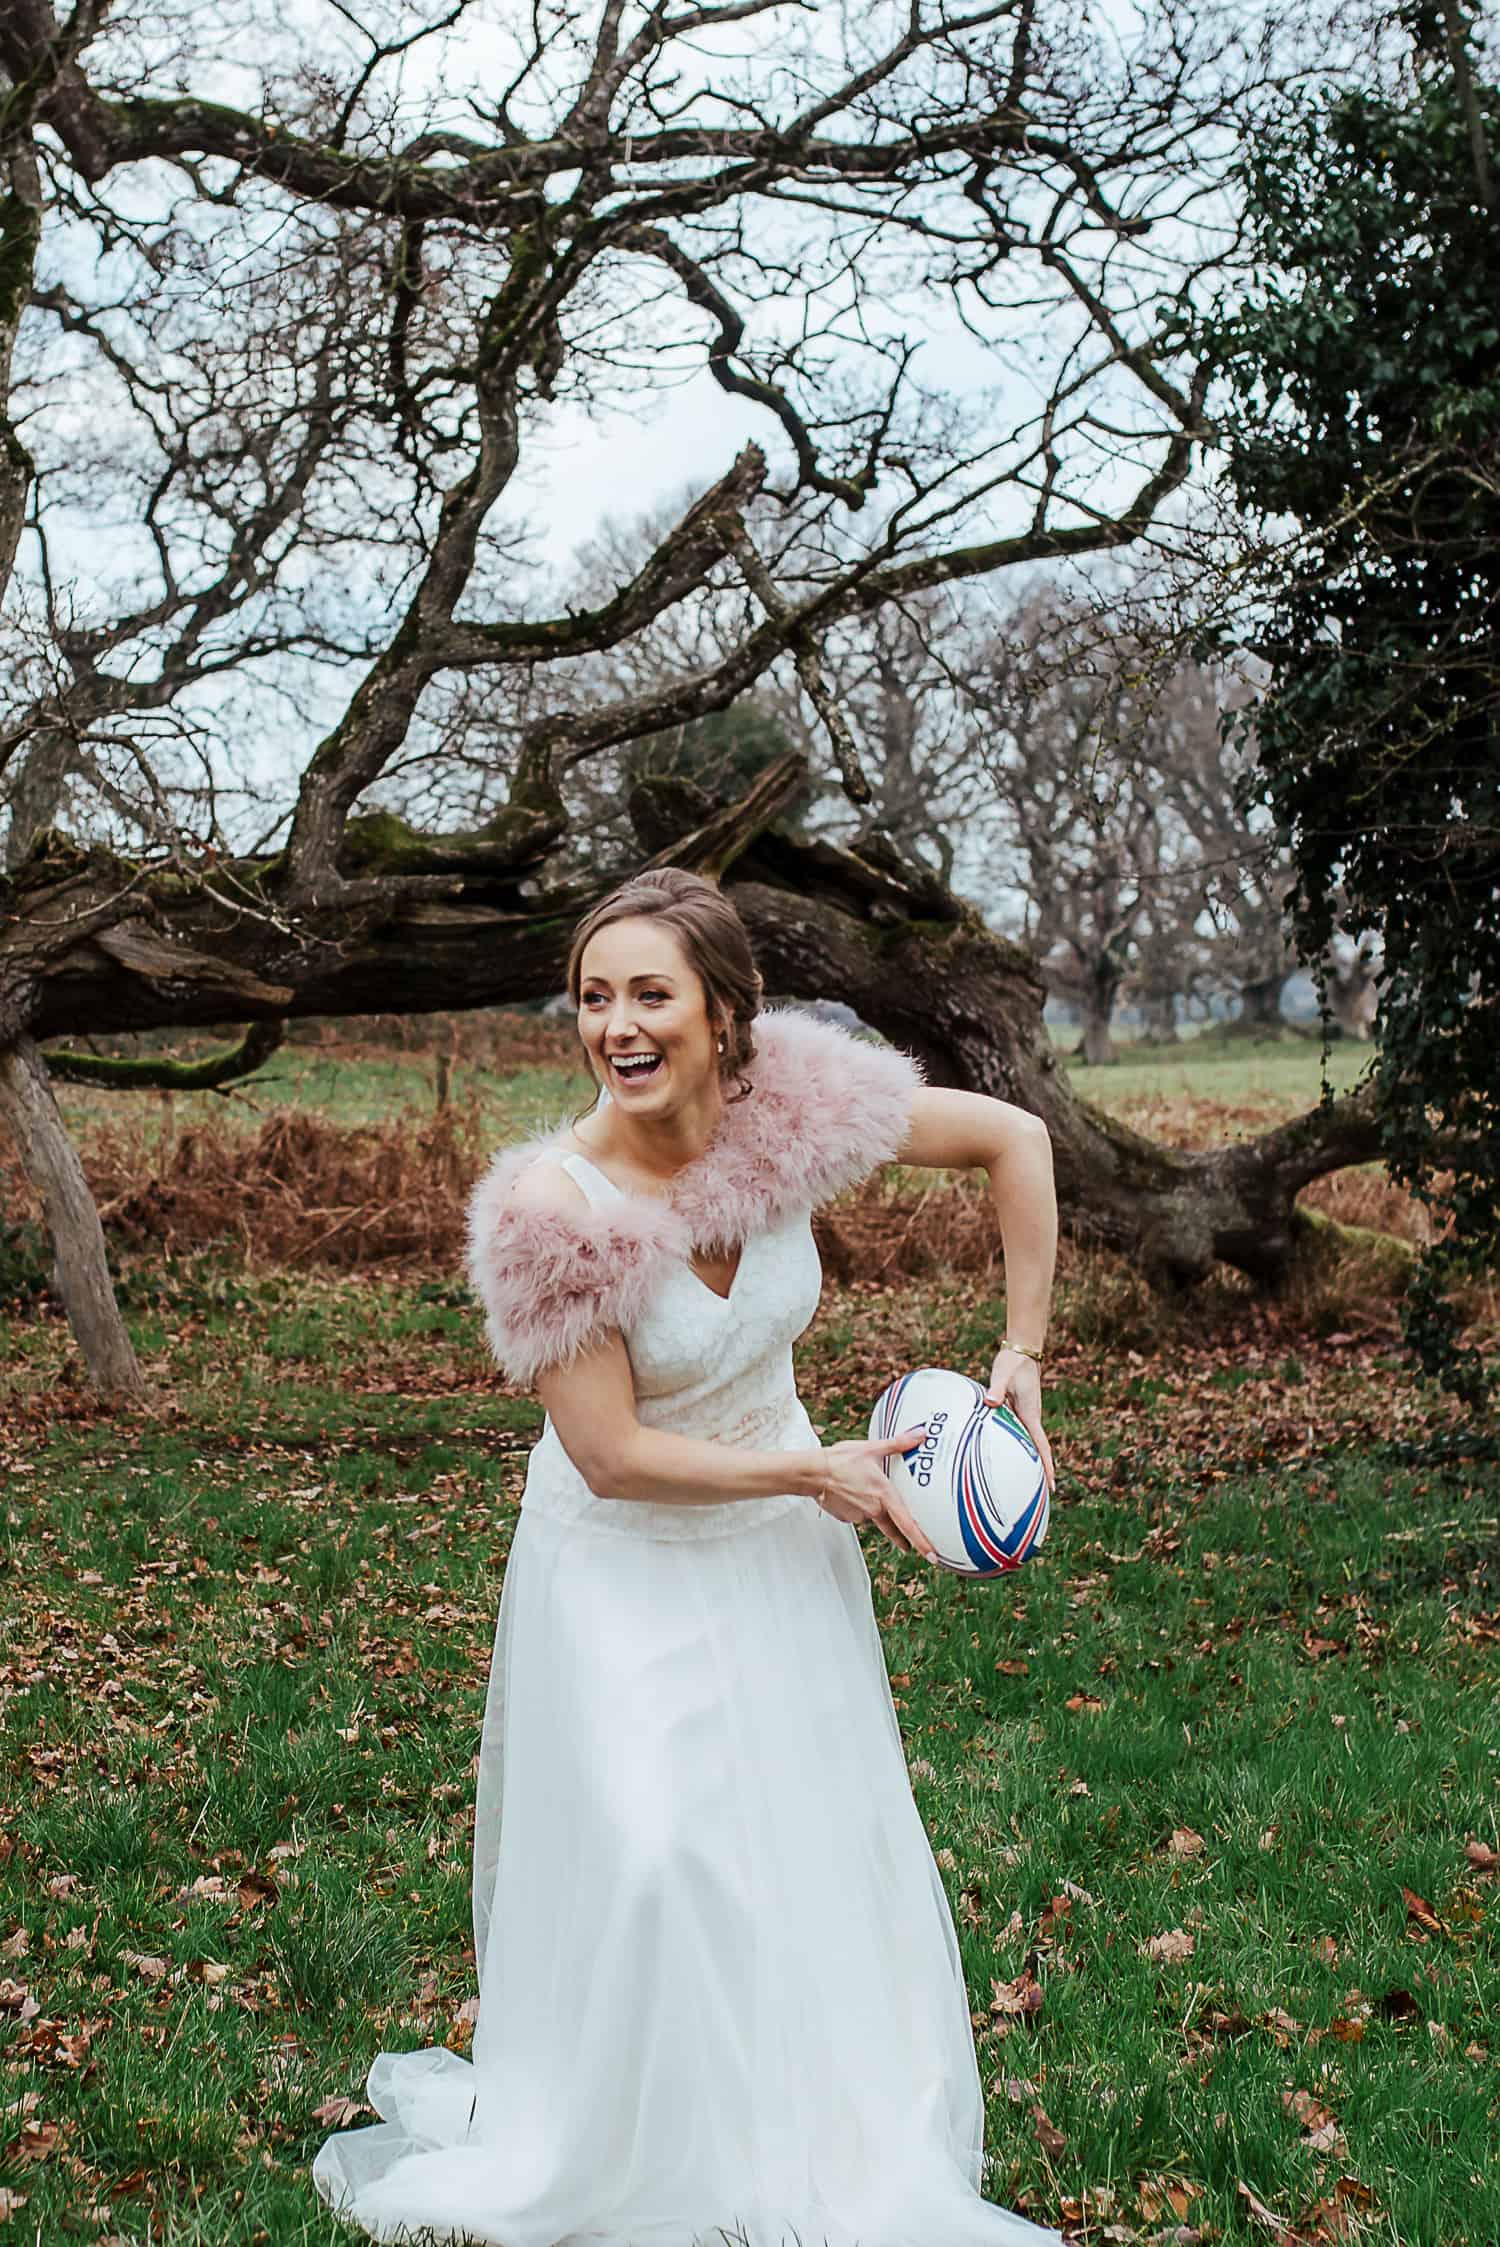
(590, 1177)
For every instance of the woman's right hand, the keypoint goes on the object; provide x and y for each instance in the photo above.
(857, 1488)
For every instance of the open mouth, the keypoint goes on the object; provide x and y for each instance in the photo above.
(631, 1068)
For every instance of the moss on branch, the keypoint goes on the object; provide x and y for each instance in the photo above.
(160, 1073)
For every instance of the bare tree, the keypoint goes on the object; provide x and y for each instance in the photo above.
(1070, 730)
(303, 350)
(1350, 980)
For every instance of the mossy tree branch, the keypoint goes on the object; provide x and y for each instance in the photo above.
(152, 1073)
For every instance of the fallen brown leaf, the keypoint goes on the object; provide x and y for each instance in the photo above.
(1049, 2137)
(1262, 2214)
(1232, 2023)
(211, 1885)
(1309, 2110)
(1018, 1999)
(338, 2111)
(1422, 1912)
(150, 1969)
(36, 2142)
(1327, 2138)
(1159, 2194)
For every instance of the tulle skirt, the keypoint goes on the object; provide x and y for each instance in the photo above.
(720, 1996)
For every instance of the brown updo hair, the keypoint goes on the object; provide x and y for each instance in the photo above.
(714, 939)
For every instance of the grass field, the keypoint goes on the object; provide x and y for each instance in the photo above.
(1213, 1785)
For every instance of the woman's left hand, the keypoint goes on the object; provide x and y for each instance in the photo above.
(1016, 1380)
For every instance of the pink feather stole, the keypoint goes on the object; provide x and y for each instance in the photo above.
(826, 1109)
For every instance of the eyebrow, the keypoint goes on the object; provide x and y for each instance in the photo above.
(634, 979)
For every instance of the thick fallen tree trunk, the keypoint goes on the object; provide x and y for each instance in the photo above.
(90, 946)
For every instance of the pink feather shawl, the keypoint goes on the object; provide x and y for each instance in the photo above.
(826, 1109)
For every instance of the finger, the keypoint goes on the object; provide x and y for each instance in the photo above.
(911, 1529)
(1035, 1430)
(1038, 1435)
(887, 1444)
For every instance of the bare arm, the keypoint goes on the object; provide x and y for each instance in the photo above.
(953, 1130)
(591, 1404)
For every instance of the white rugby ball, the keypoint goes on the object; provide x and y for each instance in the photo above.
(975, 1482)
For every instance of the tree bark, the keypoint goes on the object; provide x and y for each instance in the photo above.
(82, 1268)
(1352, 1000)
(1260, 1004)
(969, 1005)
(1096, 1000)
(1159, 1018)
(35, 787)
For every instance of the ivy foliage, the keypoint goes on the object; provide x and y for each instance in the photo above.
(1362, 378)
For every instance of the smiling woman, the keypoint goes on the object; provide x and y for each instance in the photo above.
(720, 1994)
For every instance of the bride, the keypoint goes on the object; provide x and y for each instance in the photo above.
(720, 1996)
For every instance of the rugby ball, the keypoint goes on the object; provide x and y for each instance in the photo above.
(975, 1482)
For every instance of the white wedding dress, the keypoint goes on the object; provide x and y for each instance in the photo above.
(720, 1996)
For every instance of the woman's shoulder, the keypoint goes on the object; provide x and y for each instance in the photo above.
(543, 1183)
(829, 1105)
(553, 1270)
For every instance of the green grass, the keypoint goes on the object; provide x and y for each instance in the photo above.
(346, 1089)
(251, 1638)
(1218, 1064)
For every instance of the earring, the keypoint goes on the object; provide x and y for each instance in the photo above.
(721, 1045)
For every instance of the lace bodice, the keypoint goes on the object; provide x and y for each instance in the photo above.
(704, 1365)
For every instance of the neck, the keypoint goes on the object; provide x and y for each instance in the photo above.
(659, 1148)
